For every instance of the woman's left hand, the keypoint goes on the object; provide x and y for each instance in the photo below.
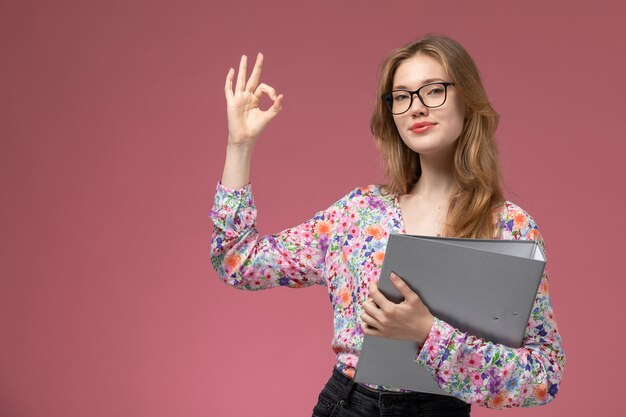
(409, 320)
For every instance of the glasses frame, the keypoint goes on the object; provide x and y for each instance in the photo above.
(388, 98)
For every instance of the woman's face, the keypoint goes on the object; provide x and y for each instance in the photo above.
(446, 120)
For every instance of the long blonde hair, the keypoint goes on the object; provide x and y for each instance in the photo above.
(476, 169)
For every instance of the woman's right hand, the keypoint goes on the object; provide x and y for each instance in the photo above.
(246, 120)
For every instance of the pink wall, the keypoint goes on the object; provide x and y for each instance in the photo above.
(113, 135)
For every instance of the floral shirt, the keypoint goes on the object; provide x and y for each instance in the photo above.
(343, 248)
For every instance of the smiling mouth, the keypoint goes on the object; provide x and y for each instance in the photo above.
(422, 128)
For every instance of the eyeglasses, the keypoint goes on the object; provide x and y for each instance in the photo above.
(431, 95)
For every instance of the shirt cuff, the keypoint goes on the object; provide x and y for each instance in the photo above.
(233, 209)
(232, 197)
(435, 347)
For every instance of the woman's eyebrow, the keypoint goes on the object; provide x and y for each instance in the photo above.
(429, 80)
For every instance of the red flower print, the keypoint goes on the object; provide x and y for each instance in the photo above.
(476, 378)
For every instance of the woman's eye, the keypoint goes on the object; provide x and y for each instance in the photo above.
(435, 91)
(401, 97)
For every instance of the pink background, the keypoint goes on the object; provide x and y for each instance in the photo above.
(113, 135)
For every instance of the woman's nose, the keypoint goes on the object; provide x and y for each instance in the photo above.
(417, 107)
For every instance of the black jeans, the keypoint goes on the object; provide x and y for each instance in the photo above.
(342, 397)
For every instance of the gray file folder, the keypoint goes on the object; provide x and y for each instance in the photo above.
(486, 288)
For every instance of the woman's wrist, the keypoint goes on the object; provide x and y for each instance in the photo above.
(237, 167)
(238, 147)
(426, 328)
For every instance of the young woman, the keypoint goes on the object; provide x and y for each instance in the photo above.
(435, 129)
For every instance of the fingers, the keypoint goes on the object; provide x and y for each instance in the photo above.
(369, 326)
(241, 75)
(278, 104)
(372, 310)
(256, 74)
(380, 300)
(252, 86)
(228, 87)
(264, 88)
(405, 290)
(252, 83)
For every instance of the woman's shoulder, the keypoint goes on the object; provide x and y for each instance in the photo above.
(370, 190)
(517, 223)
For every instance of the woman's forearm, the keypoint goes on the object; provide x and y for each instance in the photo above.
(237, 166)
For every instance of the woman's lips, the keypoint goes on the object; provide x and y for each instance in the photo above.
(422, 128)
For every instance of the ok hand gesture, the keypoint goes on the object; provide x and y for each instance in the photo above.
(246, 120)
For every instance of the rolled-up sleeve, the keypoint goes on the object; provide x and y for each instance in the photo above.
(293, 258)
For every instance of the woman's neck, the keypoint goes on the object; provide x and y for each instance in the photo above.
(437, 180)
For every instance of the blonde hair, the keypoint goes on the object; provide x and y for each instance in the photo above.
(476, 169)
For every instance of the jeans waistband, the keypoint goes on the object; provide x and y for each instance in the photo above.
(345, 391)
(341, 378)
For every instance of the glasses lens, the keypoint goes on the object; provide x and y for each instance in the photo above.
(400, 101)
(433, 95)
